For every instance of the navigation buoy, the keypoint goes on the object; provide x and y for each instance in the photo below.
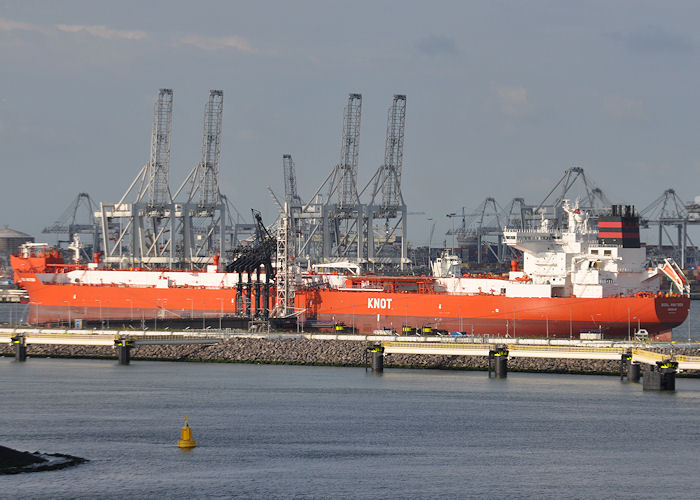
(186, 440)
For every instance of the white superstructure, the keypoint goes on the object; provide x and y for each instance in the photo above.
(574, 263)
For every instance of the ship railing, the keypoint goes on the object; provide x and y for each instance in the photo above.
(687, 358)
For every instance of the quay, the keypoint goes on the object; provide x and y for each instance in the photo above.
(123, 340)
(628, 358)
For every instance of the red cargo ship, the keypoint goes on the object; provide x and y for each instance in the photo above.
(572, 281)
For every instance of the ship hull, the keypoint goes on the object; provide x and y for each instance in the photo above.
(363, 312)
(495, 315)
(56, 303)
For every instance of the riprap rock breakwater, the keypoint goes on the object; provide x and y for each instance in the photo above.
(306, 351)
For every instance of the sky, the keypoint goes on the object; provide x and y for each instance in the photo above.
(502, 97)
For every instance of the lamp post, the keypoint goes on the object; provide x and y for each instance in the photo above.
(68, 307)
(452, 218)
(353, 318)
(101, 322)
(571, 326)
(431, 228)
(629, 337)
(131, 307)
(222, 311)
(546, 317)
(191, 307)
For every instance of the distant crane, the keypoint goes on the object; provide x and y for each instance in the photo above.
(290, 181)
(669, 210)
(69, 223)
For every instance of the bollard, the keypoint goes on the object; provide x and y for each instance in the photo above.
(661, 377)
(500, 357)
(377, 353)
(633, 372)
(123, 347)
(20, 348)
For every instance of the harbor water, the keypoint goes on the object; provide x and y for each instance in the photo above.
(321, 432)
(324, 432)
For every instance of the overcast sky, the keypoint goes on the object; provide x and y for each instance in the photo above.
(502, 97)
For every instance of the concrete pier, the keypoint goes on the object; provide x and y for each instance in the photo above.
(20, 348)
(377, 358)
(123, 347)
(660, 377)
(500, 362)
(633, 372)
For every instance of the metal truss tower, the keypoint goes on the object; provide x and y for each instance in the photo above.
(285, 277)
(204, 211)
(159, 165)
(389, 178)
(340, 228)
(342, 222)
(345, 177)
(290, 181)
(668, 210)
(205, 180)
(155, 229)
(140, 232)
(389, 246)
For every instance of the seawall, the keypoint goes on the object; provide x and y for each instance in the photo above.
(305, 351)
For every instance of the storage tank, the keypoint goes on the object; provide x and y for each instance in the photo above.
(10, 239)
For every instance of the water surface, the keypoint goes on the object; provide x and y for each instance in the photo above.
(283, 431)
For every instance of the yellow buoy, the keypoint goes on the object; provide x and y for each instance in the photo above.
(186, 440)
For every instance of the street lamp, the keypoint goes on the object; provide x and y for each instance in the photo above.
(430, 237)
(38, 315)
(68, 307)
(102, 325)
(191, 307)
(629, 336)
(222, 311)
(452, 218)
(353, 318)
(546, 316)
(131, 305)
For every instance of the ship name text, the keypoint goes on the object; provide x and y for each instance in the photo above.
(375, 303)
